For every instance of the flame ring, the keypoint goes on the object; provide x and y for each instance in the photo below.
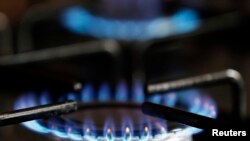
(192, 99)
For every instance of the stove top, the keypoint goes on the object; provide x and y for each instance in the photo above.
(128, 70)
(117, 115)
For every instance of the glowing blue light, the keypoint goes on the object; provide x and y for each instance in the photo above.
(127, 128)
(72, 133)
(194, 130)
(36, 127)
(170, 99)
(75, 137)
(188, 97)
(191, 99)
(213, 109)
(45, 98)
(56, 130)
(79, 20)
(60, 134)
(138, 94)
(160, 28)
(195, 108)
(104, 94)
(146, 129)
(155, 99)
(72, 96)
(206, 109)
(204, 112)
(109, 128)
(87, 93)
(26, 101)
(88, 128)
(121, 92)
(185, 20)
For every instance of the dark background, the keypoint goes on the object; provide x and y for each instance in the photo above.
(221, 42)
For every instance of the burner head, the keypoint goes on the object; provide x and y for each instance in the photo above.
(116, 115)
(80, 21)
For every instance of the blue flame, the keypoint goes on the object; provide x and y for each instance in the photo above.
(156, 99)
(170, 99)
(27, 101)
(197, 103)
(72, 96)
(36, 127)
(45, 98)
(79, 20)
(104, 94)
(193, 100)
(138, 95)
(88, 128)
(127, 128)
(184, 21)
(87, 93)
(73, 134)
(59, 133)
(122, 92)
(146, 129)
(108, 130)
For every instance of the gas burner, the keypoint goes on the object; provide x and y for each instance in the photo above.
(107, 115)
(80, 21)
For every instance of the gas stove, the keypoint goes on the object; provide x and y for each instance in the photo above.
(117, 71)
(128, 113)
